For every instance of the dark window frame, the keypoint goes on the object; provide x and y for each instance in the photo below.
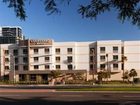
(46, 50)
(57, 50)
(102, 58)
(47, 67)
(36, 59)
(115, 49)
(58, 67)
(6, 52)
(36, 67)
(102, 49)
(69, 50)
(102, 66)
(36, 51)
(69, 59)
(25, 51)
(115, 66)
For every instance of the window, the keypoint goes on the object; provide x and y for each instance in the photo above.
(16, 67)
(15, 52)
(115, 49)
(47, 50)
(102, 49)
(115, 57)
(92, 51)
(35, 59)
(70, 67)
(16, 60)
(122, 66)
(57, 50)
(25, 67)
(69, 50)
(25, 51)
(122, 50)
(102, 58)
(58, 67)
(69, 59)
(102, 66)
(6, 67)
(47, 67)
(57, 59)
(115, 66)
(22, 77)
(36, 66)
(91, 66)
(47, 59)
(6, 60)
(25, 59)
(32, 77)
(91, 58)
(35, 51)
(6, 52)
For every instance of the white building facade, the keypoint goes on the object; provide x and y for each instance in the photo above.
(32, 60)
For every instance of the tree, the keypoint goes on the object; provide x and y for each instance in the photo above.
(78, 76)
(100, 76)
(133, 73)
(54, 75)
(103, 75)
(126, 76)
(127, 9)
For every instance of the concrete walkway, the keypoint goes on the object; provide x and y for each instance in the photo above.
(26, 90)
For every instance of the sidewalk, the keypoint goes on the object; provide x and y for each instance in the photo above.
(26, 90)
(76, 86)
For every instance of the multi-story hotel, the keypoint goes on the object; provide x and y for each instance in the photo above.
(32, 60)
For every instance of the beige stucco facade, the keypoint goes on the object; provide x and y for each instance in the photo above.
(38, 57)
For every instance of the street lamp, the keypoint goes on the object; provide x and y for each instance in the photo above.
(13, 62)
(93, 50)
(124, 58)
(107, 66)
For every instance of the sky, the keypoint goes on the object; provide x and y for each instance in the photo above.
(68, 25)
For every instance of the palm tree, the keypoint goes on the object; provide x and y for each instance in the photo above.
(79, 76)
(54, 74)
(133, 73)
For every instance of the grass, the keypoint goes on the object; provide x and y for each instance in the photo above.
(104, 89)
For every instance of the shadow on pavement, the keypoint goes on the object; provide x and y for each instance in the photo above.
(45, 101)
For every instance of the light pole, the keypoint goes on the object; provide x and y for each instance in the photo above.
(14, 71)
(13, 62)
(93, 63)
(107, 67)
(124, 58)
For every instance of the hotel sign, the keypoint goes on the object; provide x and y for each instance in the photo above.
(41, 42)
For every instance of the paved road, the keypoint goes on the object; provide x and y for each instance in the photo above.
(50, 97)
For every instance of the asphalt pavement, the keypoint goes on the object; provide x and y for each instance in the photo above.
(52, 97)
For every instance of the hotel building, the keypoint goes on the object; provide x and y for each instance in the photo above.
(32, 60)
